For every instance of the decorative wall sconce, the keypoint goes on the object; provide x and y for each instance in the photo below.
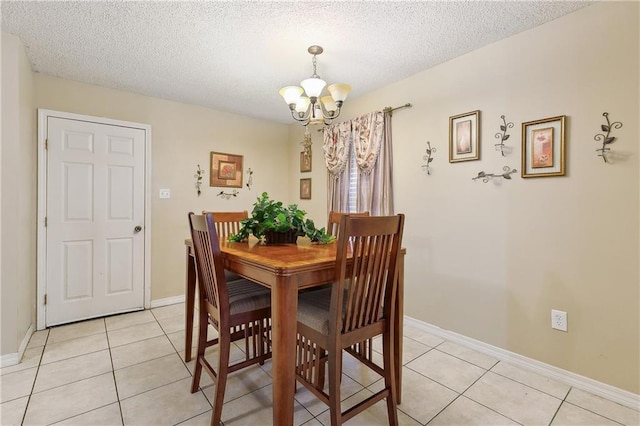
(606, 139)
(250, 178)
(486, 177)
(306, 141)
(199, 175)
(227, 195)
(502, 134)
(428, 158)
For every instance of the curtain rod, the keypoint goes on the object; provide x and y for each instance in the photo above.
(390, 109)
(385, 109)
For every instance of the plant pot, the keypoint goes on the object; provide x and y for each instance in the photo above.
(289, 237)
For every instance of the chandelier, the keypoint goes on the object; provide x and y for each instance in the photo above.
(312, 108)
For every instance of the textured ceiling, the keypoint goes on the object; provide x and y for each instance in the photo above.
(235, 56)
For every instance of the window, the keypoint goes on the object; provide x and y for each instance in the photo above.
(353, 182)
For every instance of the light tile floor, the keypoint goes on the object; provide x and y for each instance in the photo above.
(129, 369)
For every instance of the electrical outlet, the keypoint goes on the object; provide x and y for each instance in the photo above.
(165, 193)
(559, 320)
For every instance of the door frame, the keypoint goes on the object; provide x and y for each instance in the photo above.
(41, 250)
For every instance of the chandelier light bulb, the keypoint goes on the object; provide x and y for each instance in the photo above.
(291, 94)
(339, 91)
(313, 86)
(302, 104)
(329, 104)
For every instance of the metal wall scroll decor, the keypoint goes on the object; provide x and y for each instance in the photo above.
(199, 175)
(502, 134)
(227, 195)
(486, 177)
(428, 158)
(606, 139)
(306, 141)
(250, 178)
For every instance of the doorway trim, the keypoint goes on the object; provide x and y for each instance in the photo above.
(41, 250)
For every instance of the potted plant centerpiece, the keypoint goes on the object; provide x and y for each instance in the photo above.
(274, 223)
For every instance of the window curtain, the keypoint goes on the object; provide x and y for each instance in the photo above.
(370, 138)
(336, 146)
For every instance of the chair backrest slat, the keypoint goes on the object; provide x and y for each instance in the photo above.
(227, 223)
(334, 221)
(366, 268)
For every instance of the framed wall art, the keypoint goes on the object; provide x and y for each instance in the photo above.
(226, 170)
(543, 147)
(305, 161)
(305, 189)
(464, 137)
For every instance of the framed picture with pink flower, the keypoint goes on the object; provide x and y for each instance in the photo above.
(464, 137)
(543, 147)
(226, 170)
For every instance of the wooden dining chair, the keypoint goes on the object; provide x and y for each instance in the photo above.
(364, 349)
(359, 305)
(228, 223)
(239, 311)
(334, 221)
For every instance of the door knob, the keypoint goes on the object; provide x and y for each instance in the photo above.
(137, 229)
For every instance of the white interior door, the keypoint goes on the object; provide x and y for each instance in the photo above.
(95, 260)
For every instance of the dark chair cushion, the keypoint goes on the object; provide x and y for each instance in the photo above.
(245, 295)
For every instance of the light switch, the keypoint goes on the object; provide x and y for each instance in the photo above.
(165, 193)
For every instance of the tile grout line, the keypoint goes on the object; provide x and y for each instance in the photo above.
(587, 409)
(33, 385)
(470, 399)
(528, 385)
(184, 363)
(113, 373)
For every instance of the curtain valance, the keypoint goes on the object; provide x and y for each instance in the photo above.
(336, 145)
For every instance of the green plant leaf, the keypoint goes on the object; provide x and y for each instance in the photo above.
(271, 215)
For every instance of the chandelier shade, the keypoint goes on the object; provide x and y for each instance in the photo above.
(291, 93)
(306, 104)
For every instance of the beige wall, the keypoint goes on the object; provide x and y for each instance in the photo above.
(316, 207)
(18, 197)
(485, 260)
(183, 136)
(490, 261)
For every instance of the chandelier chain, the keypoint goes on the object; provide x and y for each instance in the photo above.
(315, 63)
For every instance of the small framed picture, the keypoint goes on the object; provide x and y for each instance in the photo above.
(464, 137)
(543, 147)
(226, 170)
(305, 189)
(305, 161)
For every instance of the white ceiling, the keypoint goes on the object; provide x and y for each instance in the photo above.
(235, 56)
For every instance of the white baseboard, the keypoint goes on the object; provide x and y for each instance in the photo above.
(167, 301)
(9, 359)
(623, 397)
(14, 358)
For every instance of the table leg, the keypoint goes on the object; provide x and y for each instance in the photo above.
(189, 304)
(284, 307)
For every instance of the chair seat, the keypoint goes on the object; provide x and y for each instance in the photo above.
(313, 309)
(230, 276)
(245, 296)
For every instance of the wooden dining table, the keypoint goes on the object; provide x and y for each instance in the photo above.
(285, 269)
